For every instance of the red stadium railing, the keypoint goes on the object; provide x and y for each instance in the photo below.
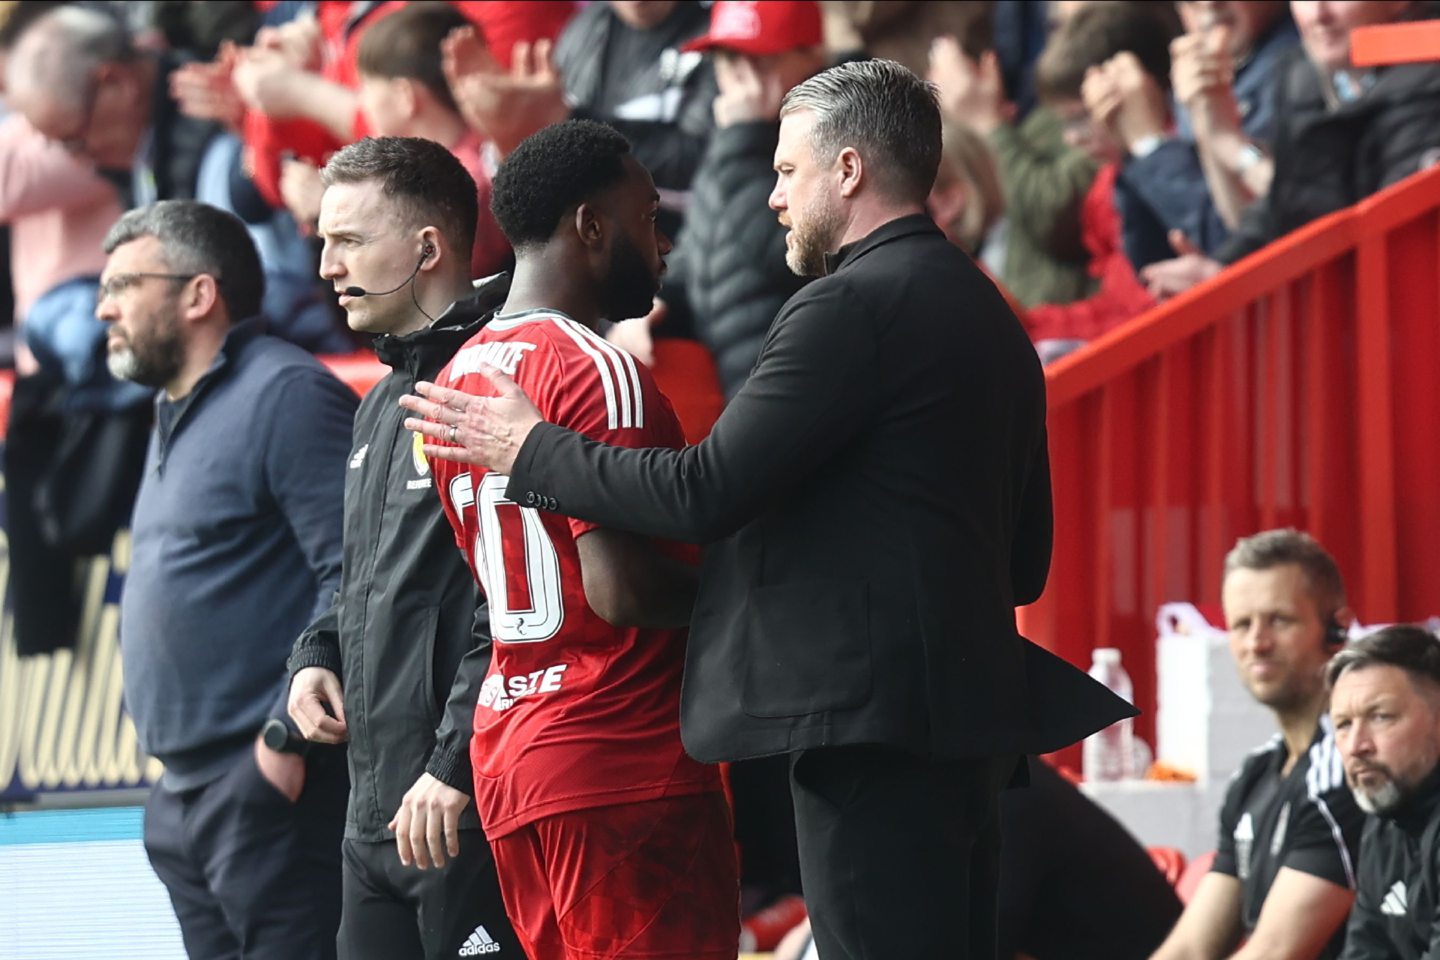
(1390, 43)
(1300, 387)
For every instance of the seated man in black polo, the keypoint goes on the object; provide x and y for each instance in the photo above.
(1284, 874)
(1385, 704)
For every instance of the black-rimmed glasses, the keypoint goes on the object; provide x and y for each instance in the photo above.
(121, 282)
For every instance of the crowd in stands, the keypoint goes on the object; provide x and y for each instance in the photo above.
(1099, 158)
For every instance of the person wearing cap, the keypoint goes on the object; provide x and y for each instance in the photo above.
(727, 276)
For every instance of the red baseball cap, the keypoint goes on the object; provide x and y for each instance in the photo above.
(761, 27)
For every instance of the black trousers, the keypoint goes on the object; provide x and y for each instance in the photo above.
(392, 911)
(251, 875)
(899, 854)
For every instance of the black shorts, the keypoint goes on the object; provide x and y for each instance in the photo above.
(390, 910)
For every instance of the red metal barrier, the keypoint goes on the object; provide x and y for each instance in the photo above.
(1300, 387)
(1385, 44)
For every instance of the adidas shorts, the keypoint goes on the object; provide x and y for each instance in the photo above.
(656, 880)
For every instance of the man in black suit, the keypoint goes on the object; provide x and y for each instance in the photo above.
(876, 500)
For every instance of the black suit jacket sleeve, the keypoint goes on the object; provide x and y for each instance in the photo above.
(809, 394)
(450, 760)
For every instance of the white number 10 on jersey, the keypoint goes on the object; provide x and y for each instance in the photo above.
(515, 560)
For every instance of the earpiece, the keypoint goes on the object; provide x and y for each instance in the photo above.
(426, 252)
(1335, 634)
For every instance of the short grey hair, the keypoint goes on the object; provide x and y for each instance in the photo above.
(60, 52)
(1278, 548)
(197, 238)
(885, 112)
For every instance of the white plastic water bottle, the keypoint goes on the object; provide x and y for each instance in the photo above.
(1109, 754)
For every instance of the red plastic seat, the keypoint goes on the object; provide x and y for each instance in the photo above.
(1170, 862)
(1194, 873)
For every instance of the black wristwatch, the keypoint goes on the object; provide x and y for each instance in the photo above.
(278, 736)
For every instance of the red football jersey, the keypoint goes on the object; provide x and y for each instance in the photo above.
(574, 712)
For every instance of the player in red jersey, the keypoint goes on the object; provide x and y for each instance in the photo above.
(610, 841)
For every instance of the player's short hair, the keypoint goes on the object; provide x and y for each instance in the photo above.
(198, 238)
(885, 112)
(1413, 649)
(424, 180)
(406, 45)
(552, 172)
(1278, 548)
(1099, 31)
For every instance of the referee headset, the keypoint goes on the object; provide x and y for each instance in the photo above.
(426, 252)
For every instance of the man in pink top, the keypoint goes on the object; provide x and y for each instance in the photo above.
(57, 207)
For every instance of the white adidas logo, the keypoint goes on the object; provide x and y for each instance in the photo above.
(1394, 903)
(479, 944)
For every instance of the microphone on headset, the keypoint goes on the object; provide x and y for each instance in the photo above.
(425, 253)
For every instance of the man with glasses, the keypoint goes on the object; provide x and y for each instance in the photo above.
(77, 76)
(235, 547)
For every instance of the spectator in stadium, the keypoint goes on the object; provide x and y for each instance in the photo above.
(76, 439)
(584, 789)
(846, 615)
(78, 78)
(403, 93)
(902, 30)
(1045, 180)
(1074, 884)
(967, 201)
(301, 81)
(728, 270)
(297, 307)
(394, 666)
(1284, 874)
(1200, 174)
(1341, 134)
(619, 62)
(235, 546)
(1385, 704)
(1101, 42)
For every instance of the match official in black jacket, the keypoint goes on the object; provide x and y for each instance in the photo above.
(395, 666)
(877, 501)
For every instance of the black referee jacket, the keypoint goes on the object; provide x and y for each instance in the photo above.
(408, 633)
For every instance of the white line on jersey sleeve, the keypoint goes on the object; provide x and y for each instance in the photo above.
(621, 385)
(626, 364)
